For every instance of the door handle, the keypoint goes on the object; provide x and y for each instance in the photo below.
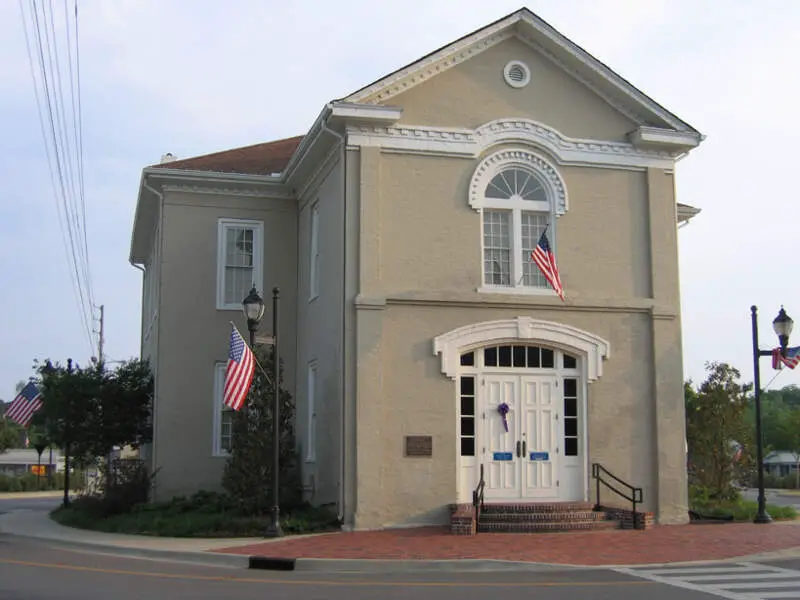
(524, 448)
(518, 449)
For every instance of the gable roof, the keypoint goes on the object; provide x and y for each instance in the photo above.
(544, 38)
(258, 159)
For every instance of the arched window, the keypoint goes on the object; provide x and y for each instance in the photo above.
(519, 195)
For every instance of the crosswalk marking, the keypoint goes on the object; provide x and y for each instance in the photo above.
(735, 581)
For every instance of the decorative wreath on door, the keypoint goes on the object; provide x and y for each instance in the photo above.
(503, 409)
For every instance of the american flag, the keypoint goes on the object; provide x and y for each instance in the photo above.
(791, 359)
(23, 407)
(544, 258)
(239, 374)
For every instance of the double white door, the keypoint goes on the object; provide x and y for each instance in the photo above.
(519, 441)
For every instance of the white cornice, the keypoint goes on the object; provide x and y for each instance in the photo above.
(432, 65)
(656, 137)
(228, 191)
(471, 143)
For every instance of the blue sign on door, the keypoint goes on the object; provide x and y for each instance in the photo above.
(502, 456)
(540, 456)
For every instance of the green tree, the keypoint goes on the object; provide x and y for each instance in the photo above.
(248, 472)
(9, 435)
(89, 411)
(715, 424)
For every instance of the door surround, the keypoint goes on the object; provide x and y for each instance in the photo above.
(590, 350)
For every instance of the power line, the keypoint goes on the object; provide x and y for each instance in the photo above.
(67, 176)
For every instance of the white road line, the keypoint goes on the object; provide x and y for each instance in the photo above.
(725, 580)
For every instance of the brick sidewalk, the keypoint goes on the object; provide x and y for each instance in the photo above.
(678, 543)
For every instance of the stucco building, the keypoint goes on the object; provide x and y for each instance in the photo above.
(399, 230)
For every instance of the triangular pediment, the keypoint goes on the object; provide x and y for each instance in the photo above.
(549, 43)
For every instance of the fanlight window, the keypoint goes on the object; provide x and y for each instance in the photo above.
(517, 184)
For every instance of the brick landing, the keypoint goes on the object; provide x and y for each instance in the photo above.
(661, 544)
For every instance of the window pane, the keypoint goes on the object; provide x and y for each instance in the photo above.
(570, 387)
(467, 426)
(570, 362)
(533, 357)
(519, 356)
(497, 247)
(548, 360)
(532, 225)
(490, 357)
(571, 446)
(226, 429)
(468, 359)
(570, 407)
(468, 386)
(467, 406)
(467, 446)
(505, 356)
(570, 427)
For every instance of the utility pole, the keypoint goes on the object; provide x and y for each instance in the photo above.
(101, 340)
(101, 335)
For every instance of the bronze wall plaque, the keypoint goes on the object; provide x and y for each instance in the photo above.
(419, 445)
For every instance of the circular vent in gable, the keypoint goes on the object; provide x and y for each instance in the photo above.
(517, 74)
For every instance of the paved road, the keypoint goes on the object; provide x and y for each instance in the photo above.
(9, 504)
(35, 571)
(774, 497)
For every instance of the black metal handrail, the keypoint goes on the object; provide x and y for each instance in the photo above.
(477, 500)
(634, 496)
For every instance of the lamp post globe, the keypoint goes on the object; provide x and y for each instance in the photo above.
(783, 325)
(253, 309)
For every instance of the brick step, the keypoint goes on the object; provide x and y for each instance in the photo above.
(546, 527)
(541, 517)
(537, 507)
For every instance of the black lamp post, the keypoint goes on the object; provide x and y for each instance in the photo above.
(274, 529)
(782, 325)
(253, 309)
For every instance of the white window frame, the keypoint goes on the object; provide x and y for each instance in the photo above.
(311, 412)
(219, 408)
(555, 206)
(223, 226)
(313, 278)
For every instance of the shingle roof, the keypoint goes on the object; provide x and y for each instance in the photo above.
(258, 159)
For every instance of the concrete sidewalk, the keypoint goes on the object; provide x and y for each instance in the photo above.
(27, 495)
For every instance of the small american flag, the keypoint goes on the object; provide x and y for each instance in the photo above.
(791, 360)
(544, 258)
(239, 374)
(23, 407)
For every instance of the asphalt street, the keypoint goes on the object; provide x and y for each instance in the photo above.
(36, 570)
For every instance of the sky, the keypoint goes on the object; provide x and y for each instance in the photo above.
(198, 76)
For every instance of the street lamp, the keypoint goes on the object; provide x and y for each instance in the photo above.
(782, 325)
(253, 309)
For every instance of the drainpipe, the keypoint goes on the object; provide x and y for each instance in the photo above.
(160, 230)
(343, 412)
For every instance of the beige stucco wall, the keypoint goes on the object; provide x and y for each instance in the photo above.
(474, 92)
(194, 335)
(409, 395)
(602, 240)
(420, 254)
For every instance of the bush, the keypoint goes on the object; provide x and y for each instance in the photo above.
(204, 514)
